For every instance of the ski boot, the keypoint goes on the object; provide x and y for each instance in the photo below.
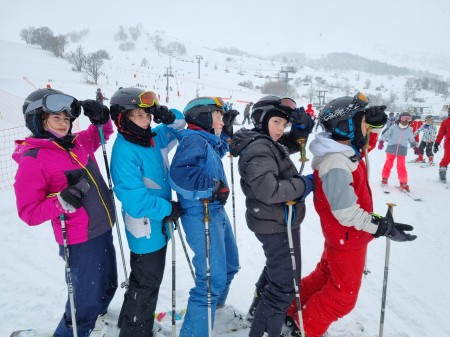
(404, 187)
(420, 159)
(431, 161)
(384, 182)
(443, 173)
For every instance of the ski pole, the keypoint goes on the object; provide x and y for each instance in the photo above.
(108, 173)
(294, 266)
(232, 192)
(174, 312)
(62, 218)
(302, 144)
(385, 278)
(208, 269)
(366, 157)
(178, 226)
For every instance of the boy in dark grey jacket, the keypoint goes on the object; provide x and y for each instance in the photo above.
(269, 179)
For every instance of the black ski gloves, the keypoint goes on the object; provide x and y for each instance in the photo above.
(436, 147)
(310, 185)
(228, 121)
(175, 214)
(375, 116)
(162, 114)
(220, 192)
(302, 124)
(394, 231)
(97, 113)
(72, 196)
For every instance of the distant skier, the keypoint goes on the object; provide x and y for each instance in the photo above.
(398, 136)
(444, 132)
(428, 138)
(310, 111)
(99, 96)
(247, 113)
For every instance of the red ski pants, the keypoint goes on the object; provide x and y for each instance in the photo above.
(401, 167)
(446, 159)
(331, 290)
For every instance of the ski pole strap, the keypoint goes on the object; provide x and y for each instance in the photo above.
(102, 136)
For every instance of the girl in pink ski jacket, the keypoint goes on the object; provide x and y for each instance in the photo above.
(58, 174)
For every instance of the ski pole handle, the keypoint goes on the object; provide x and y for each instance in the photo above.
(302, 144)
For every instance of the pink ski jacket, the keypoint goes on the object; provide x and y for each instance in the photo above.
(44, 168)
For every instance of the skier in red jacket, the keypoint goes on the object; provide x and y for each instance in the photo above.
(343, 200)
(444, 132)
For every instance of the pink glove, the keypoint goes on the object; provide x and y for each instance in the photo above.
(380, 145)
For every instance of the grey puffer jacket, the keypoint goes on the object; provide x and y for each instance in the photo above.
(269, 178)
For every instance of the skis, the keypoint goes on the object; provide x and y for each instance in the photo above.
(386, 190)
(409, 194)
(28, 333)
(428, 165)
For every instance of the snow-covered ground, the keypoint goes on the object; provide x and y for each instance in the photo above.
(32, 285)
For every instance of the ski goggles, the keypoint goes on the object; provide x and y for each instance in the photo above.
(361, 99)
(216, 103)
(284, 104)
(405, 119)
(55, 103)
(147, 99)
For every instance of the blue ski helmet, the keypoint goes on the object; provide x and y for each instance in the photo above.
(199, 111)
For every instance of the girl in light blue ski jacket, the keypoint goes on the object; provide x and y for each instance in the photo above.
(140, 183)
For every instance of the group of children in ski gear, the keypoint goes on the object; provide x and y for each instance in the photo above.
(65, 179)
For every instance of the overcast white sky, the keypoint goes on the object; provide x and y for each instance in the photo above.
(262, 27)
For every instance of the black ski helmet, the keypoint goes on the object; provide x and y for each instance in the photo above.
(285, 106)
(33, 119)
(123, 100)
(199, 111)
(340, 116)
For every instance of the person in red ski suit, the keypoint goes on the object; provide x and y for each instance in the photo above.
(343, 200)
(310, 111)
(444, 133)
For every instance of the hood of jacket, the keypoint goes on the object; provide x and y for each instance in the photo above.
(323, 144)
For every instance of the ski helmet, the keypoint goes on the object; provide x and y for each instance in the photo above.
(282, 106)
(126, 99)
(340, 116)
(199, 111)
(37, 104)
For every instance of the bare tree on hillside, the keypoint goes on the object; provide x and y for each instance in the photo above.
(93, 67)
(26, 34)
(57, 44)
(77, 58)
(310, 93)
